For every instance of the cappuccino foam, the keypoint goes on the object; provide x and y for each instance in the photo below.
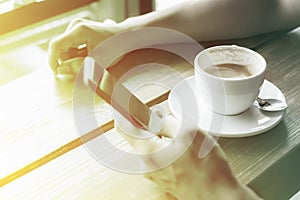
(228, 70)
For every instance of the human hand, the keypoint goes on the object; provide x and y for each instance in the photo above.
(191, 177)
(67, 51)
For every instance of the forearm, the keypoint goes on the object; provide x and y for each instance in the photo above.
(222, 19)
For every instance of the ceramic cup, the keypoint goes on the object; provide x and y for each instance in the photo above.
(229, 95)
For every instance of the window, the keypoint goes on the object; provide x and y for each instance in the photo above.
(32, 11)
(29, 27)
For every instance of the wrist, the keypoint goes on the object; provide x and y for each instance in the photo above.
(141, 21)
(128, 24)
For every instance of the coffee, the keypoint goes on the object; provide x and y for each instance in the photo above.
(229, 70)
(244, 71)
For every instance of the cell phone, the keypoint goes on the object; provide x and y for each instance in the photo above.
(119, 97)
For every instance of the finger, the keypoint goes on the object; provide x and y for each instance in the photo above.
(66, 45)
(156, 151)
(157, 141)
(161, 149)
(80, 51)
(165, 137)
(82, 21)
(74, 23)
(143, 146)
(64, 70)
(171, 127)
(178, 139)
(60, 46)
(53, 56)
(71, 66)
(181, 133)
(109, 21)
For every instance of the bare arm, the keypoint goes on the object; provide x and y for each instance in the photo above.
(203, 20)
(222, 19)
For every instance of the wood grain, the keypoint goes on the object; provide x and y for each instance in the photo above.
(249, 157)
(78, 175)
(37, 117)
(41, 154)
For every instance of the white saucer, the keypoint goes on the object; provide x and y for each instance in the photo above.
(251, 122)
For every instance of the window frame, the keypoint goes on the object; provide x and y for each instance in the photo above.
(42, 10)
(37, 11)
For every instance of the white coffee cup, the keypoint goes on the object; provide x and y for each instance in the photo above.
(229, 95)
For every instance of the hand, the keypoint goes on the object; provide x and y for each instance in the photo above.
(67, 51)
(191, 177)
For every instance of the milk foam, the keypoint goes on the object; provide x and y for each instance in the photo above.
(228, 70)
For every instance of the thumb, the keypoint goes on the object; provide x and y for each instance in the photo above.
(160, 149)
(71, 66)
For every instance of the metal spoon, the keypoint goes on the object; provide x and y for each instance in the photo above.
(270, 104)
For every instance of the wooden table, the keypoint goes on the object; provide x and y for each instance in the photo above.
(42, 157)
